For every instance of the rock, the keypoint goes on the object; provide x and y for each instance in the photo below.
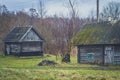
(46, 63)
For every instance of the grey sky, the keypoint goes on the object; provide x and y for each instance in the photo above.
(58, 7)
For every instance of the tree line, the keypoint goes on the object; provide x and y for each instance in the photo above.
(59, 32)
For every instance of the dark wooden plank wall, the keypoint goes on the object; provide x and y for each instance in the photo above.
(98, 52)
(35, 46)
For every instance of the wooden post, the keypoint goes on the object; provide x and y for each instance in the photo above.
(5, 52)
(41, 45)
(20, 49)
(103, 54)
(78, 55)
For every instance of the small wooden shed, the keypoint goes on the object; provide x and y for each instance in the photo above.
(99, 53)
(23, 41)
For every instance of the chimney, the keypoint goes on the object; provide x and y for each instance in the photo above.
(97, 10)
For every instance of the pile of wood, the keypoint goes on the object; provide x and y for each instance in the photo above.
(46, 63)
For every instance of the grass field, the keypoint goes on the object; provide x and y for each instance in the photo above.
(26, 68)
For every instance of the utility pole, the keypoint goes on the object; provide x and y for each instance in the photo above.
(97, 10)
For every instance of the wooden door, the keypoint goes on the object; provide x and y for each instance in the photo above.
(108, 55)
(8, 49)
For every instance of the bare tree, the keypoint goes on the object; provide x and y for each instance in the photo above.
(5, 18)
(33, 14)
(42, 10)
(112, 10)
(71, 29)
(42, 13)
(21, 18)
(72, 25)
(91, 17)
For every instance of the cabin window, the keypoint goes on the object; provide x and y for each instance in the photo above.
(15, 48)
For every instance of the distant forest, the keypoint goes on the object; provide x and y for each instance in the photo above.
(61, 33)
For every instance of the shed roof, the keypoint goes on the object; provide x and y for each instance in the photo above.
(81, 45)
(17, 33)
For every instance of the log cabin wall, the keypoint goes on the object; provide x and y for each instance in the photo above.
(12, 48)
(116, 58)
(99, 53)
(91, 54)
(24, 41)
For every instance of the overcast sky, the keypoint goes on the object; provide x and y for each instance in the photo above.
(58, 7)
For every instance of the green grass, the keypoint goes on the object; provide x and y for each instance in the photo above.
(26, 68)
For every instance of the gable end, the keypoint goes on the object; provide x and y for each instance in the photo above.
(31, 35)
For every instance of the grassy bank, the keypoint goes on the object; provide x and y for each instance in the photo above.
(26, 68)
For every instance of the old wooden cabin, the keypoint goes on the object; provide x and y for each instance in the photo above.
(99, 53)
(23, 41)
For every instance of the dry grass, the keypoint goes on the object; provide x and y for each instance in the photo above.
(26, 68)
